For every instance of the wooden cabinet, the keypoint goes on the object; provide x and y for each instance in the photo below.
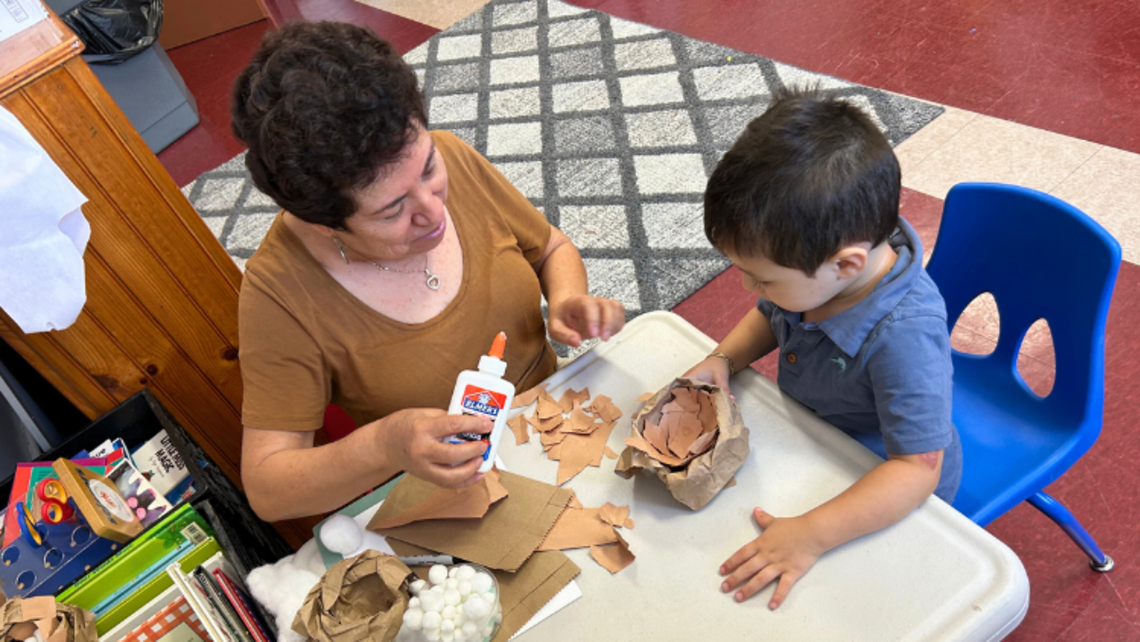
(162, 294)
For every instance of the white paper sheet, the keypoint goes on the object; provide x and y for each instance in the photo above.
(17, 15)
(43, 235)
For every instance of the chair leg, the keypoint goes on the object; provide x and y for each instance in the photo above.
(1057, 512)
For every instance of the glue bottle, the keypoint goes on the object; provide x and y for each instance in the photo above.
(484, 393)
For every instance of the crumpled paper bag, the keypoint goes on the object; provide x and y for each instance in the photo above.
(20, 618)
(705, 476)
(359, 598)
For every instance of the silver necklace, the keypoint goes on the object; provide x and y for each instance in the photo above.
(433, 281)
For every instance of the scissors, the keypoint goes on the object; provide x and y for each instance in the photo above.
(55, 508)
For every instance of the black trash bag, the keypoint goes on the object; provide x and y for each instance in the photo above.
(115, 30)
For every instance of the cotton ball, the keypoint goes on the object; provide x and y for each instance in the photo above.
(282, 588)
(431, 620)
(447, 637)
(460, 616)
(431, 602)
(447, 626)
(437, 574)
(413, 619)
(417, 586)
(453, 571)
(414, 603)
(451, 597)
(488, 630)
(459, 636)
(448, 612)
(465, 573)
(469, 629)
(481, 583)
(341, 534)
(451, 583)
(464, 588)
(438, 588)
(475, 607)
(490, 599)
(431, 635)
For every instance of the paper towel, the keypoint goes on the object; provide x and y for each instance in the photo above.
(42, 235)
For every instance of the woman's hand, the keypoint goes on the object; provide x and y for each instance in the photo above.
(581, 316)
(414, 441)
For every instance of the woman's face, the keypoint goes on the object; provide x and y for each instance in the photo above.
(401, 213)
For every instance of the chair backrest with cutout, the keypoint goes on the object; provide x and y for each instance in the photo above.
(1040, 258)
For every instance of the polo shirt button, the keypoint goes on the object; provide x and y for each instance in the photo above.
(791, 357)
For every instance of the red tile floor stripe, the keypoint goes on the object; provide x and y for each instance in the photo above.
(1068, 67)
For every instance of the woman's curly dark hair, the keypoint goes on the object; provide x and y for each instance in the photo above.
(324, 107)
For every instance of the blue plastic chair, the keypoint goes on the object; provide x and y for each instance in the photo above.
(1040, 258)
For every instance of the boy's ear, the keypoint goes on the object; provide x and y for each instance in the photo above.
(849, 261)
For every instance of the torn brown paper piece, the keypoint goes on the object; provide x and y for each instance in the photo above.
(614, 557)
(517, 425)
(578, 528)
(424, 501)
(528, 397)
(21, 618)
(504, 538)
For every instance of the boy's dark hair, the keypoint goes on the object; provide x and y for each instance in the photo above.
(807, 177)
(324, 108)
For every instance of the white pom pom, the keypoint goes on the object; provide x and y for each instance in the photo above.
(341, 534)
(431, 620)
(449, 612)
(451, 597)
(490, 599)
(446, 626)
(466, 573)
(481, 583)
(431, 635)
(453, 571)
(414, 603)
(459, 636)
(413, 619)
(469, 629)
(460, 616)
(437, 574)
(475, 607)
(446, 637)
(451, 583)
(417, 586)
(431, 602)
(487, 630)
(464, 588)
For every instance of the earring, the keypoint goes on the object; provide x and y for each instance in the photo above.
(340, 248)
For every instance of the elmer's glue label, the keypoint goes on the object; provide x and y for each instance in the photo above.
(484, 393)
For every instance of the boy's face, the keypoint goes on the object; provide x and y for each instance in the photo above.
(792, 289)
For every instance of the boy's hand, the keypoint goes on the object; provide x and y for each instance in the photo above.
(580, 317)
(712, 370)
(786, 549)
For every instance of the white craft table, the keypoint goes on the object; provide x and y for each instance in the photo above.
(933, 576)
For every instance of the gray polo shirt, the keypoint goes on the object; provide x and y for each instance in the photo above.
(879, 371)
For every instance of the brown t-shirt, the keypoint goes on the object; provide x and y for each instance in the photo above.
(306, 341)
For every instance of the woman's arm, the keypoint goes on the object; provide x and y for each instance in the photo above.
(574, 314)
(286, 477)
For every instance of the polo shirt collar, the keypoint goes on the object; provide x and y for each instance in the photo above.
(849, 329)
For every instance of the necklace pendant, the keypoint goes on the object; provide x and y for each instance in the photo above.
(433, 281)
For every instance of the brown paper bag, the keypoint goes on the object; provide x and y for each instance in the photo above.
(359, 598)
(705, 476)
(20, 618)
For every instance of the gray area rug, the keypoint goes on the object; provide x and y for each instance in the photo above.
(609, 127)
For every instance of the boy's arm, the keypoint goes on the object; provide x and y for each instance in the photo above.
(750, 340)
(790, 546)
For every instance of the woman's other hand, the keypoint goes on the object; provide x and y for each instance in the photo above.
(414, 441)
(580, 317)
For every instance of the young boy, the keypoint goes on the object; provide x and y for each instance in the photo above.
(806, 205)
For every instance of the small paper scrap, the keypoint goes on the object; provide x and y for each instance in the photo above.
(596, 528)
(573, 430)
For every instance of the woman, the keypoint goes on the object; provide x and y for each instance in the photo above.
(399, 255)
